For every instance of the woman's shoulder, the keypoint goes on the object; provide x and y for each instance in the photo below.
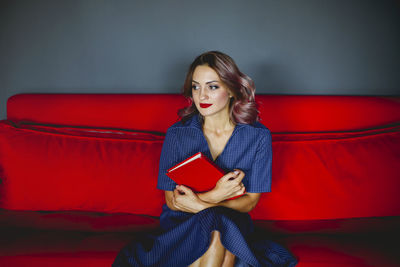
(182, 125)
(176, 125)
(259, 134)
(258, 128)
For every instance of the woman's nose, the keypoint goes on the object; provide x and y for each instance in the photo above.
(203, 94)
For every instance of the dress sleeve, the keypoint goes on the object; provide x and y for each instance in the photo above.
(261, 170)
(168, 159)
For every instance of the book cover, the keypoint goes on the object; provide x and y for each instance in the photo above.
(197, 172)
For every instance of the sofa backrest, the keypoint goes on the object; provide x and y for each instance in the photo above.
(333, 156)
(156, 112)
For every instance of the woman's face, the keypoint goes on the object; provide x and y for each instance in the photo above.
(209, 93)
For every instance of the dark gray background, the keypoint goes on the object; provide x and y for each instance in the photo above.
(343, 47)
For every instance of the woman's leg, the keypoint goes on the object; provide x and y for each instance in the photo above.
(214, 256)
(229, 260)
(196, 263)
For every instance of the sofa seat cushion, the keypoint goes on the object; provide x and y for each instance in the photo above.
(125, 222)
(350, 250)
(360, 226)
(21, 247)
(77, 221)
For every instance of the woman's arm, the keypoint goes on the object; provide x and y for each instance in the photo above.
(186, 202)
(230, 185)
(190, 202)
(245, 203)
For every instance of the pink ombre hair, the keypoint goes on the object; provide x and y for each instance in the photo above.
(242, 108)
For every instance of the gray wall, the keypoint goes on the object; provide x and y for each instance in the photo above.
(343, 47)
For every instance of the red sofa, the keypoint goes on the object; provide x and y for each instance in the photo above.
(78, 177)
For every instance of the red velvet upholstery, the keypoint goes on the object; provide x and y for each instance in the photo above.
(51, 169)
(70, 164)
(279, 113)
(329, 176)
(93, 169)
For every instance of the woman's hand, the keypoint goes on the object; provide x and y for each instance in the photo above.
(230, 185)
(184, 199)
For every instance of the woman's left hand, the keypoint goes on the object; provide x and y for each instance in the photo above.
(186, 200)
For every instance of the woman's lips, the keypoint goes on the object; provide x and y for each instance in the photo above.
(205, 105)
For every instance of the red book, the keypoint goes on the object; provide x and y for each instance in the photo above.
(197, 172)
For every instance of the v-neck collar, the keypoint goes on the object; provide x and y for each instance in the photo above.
(196, 123)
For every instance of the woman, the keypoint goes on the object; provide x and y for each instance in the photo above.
(211, 228)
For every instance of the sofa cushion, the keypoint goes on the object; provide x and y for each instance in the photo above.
(315, 176)
(56, 168)
(81, 221)
(353, 226)
(151, 112)
(319, 176)
(364, 250)
(20, 247)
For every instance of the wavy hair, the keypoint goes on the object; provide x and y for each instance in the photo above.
(242, 106)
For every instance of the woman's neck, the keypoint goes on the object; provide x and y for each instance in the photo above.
(218, 124)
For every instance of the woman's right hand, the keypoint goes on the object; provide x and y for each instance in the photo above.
(230, 185)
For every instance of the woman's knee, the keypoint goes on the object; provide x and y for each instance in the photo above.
(216, 244)
(215, 238)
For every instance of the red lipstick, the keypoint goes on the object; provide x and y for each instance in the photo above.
(205, 105)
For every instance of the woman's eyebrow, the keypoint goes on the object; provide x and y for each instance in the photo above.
(211, 82)
(206, 82)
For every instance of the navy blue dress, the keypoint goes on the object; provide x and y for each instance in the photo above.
(185, 237)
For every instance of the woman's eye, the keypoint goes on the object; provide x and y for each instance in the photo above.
(195, 87)
(214, 87)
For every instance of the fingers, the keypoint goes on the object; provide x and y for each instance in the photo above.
(240, 175)
(236, 175)
(230, 185)
(177, 192)
(184, 199)
(240, 189)
(176, 200)
(173, 200)
(228, 176)
(232, 175)
(184, 190)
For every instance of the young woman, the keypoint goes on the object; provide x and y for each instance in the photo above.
(211, 228)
